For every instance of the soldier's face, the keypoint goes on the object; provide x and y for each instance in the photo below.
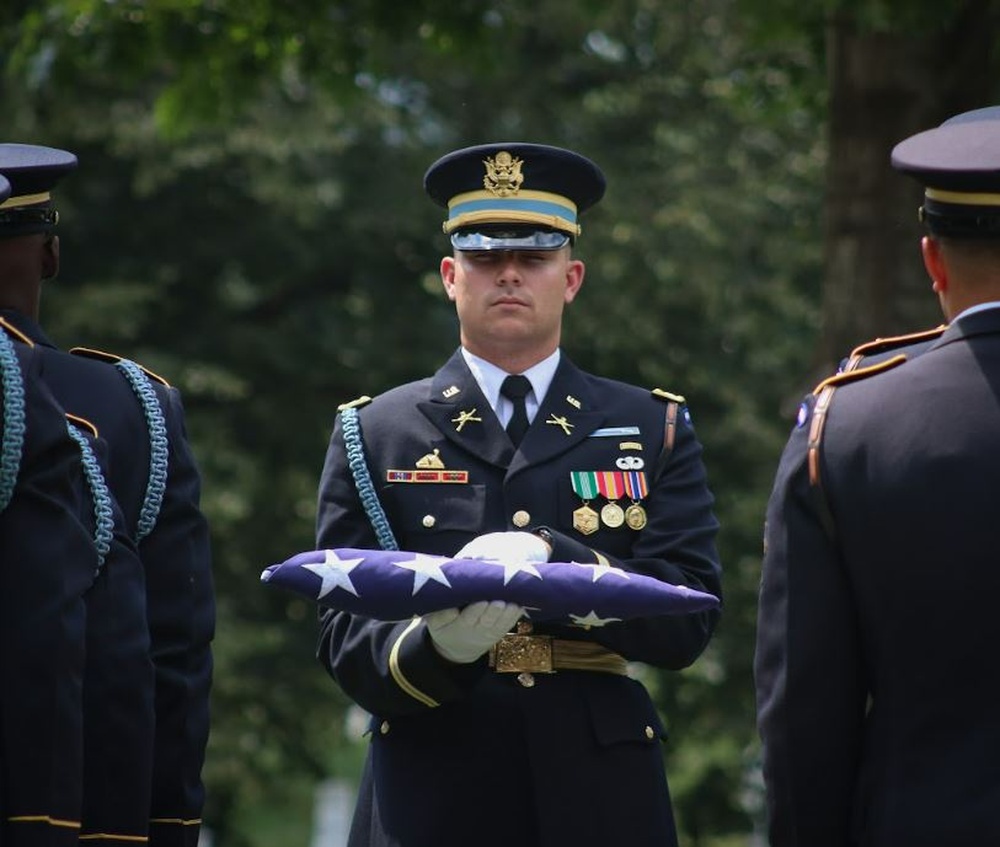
(511, 300)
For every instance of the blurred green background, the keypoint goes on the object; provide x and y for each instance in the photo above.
(248, 220)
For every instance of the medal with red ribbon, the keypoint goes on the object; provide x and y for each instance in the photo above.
(611, 485)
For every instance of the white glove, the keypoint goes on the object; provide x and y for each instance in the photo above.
(506, 547)
(463, 636)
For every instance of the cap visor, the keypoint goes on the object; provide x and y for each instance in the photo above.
(535, 240)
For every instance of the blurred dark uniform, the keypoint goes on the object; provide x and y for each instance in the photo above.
(877, 619)
(48, 560)
(154, 479)
(474, 754)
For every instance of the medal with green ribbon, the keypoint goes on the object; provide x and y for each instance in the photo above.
(585, 519)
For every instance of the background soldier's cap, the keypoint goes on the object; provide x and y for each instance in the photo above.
(32, 172)
(958, 163)
(514, 195)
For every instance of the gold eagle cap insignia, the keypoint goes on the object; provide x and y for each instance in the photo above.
(503, 174)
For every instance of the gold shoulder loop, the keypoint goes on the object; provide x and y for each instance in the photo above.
(14, 332)
(114, 359)
(82, 423)
(354, 404)
(90, 353)
(666, 395)
(881, 345)
(861, 373)
(824, 394)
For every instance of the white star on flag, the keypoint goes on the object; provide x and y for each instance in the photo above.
(602, 570)
(511, 568)
(592, 619)
(334, 573)
(425, 568)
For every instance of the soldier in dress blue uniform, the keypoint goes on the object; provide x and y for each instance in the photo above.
(538, 736)
(155, 482)
(877, 620)
(48, 559)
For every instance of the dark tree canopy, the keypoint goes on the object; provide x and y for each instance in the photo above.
(248, 220)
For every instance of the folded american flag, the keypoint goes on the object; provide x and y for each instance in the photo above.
(395, 585)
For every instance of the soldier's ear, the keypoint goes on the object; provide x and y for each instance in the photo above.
(50, 257)
(448, 276)
(937, 270)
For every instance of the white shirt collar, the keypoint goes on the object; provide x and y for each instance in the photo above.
(489, 377)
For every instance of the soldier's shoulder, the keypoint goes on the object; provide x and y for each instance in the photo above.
(356, 403)
(665, 396)
(909, 344)
(408, 393)
(848, 377)
(13, 333)
(89, 353)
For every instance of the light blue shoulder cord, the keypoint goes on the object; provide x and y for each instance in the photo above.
(103, 516)
(158, 452)
(363, 479)
(13, 420)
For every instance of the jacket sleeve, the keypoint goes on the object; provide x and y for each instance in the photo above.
(386, 667)
(49, 560)
(181, 607)
(809, 687)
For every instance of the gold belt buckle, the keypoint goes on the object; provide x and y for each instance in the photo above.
(522, 654)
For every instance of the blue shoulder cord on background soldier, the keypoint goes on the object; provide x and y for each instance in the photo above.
(13, 421)
(157, 445)
(103, 519)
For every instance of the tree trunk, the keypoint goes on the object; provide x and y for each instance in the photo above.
(884, 87)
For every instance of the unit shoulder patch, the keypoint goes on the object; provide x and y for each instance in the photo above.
(114, 359)
(357, 403)
(846, 377)
(668, 396)
(15, 333)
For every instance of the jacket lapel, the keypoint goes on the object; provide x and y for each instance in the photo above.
(567, 416)
(459, 410)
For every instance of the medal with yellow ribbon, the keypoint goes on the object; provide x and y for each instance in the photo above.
(636, 488)
(585, 519)
(611, 484)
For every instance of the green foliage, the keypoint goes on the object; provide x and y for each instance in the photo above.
(248, 221)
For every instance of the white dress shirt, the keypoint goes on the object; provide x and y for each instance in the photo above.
(490, 377)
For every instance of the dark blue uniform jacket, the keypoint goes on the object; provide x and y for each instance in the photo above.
(176, 559)
(48, 560)
(463, 755)
(876, 639)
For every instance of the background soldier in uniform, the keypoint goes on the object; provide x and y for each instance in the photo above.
(877, 620)
(473, 741)
(48, 561)
(154, 480)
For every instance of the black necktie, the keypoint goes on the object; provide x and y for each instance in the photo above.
(515, 388)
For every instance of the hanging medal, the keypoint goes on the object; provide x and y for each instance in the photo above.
(585, 519)
(612, 486)
(637, 489)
